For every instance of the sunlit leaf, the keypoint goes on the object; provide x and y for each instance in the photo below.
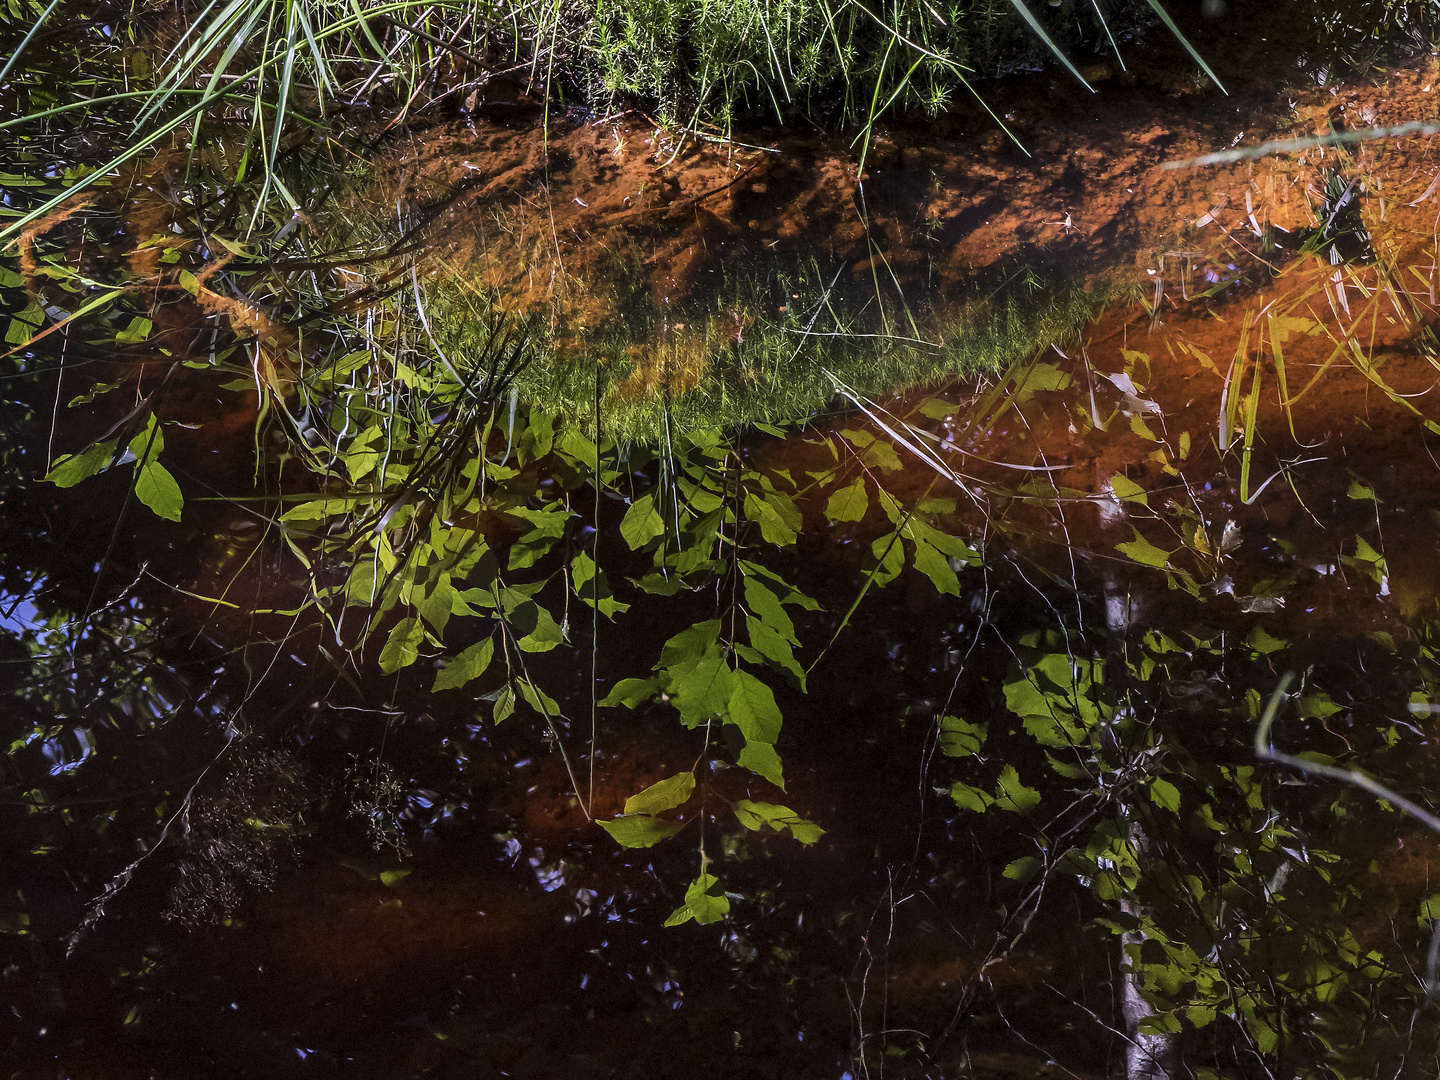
(641, 830)
(1165, 795)
(755, 815)
(402, 646)
(960, 738)
(641, 523)
(761, 759)
(1022, 870)
(663, 795)
(1012, 794)
(630, 692)
(752, 708)
(776, 514)
(1144, 552)
(849, 503)
(468, 665)
(70, 469)
(971, 798)
(699, 904)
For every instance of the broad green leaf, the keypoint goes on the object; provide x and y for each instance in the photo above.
(849, 503)
(545, 635)
(70, 469)
(761, 759)
(936, 567)
(704, 691)
(763, 602)
(138, 330)
(402, 646)
(437, 607)
(971, 798)
(699, 904)
(391, 878)
(630, 692)
(753, 710)
(641, 830)
(468, 665)
(754, 815)
(1126, 490)
(1012, 794)
(774, 648)
(1430, 910)
(504, 704)
(1144, 552)
(1262, 642)
(157, 489)
(960, 738)
(1165, 795)
(537, 699)
(685, 649)
(1022, 870)
(776, 514)
(664, 795)
(641, 523)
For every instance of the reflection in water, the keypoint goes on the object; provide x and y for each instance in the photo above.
(343, 679)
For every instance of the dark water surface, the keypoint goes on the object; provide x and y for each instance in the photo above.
(1021, 627)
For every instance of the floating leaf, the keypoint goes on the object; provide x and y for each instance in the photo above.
(664, 795)
(1126, 490)
(1144, 552)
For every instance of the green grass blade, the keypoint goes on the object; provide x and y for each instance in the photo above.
(1170, 25)
(1034, 24)
(35, 29)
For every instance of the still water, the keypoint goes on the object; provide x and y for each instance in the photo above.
(371, 712)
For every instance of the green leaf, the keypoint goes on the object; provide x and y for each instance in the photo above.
(1022, 870)
(753, 710)
(960, 738)
(402, 646)
(1165, 795)
(777, 515)
(641, 523)
(761, 600)
(641, 830)
(761, 759)
(391, 878)
(630, 692)
(774, 648)
(546, 634)
(849, 503)
(1144, 552)
(664, 795)
(138, 330)
(504, 704)
(936, 567)
(699, 904)
(70, 469)
(755, 815)
(157, 489)
(704, 691)
(971, 798)
(1430, 909)
(468, 665)
(1126, 490)
(1011, 794)
(1262, 642)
